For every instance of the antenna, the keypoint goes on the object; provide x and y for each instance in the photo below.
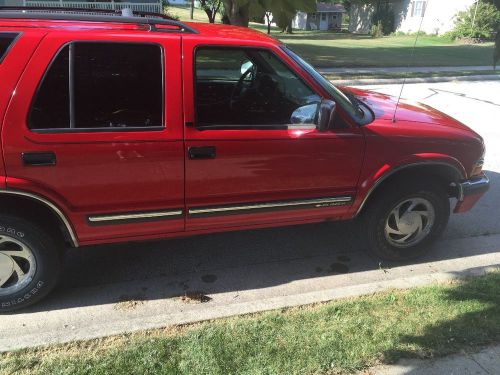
(409, 63)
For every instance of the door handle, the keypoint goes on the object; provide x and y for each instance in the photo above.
(39, 159)
(205, 152)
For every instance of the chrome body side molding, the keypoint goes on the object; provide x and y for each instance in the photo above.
(240, 208)
(49, 204)
(135, 216)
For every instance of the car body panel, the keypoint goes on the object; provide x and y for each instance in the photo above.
(126, 173)
(102, 172)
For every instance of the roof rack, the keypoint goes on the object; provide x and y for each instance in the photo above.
(93, 15)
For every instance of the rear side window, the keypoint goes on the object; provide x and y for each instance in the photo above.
(6, 41)
(101, 86)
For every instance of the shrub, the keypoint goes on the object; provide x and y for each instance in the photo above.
(383, 19)
(376, 30)
(485, 24)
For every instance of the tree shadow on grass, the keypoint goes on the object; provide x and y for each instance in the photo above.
(466, 331)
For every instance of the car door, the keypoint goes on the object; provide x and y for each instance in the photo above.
(96, 128)
(253, 153)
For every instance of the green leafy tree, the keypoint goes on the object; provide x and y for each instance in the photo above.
(477, 23)
(211, 8)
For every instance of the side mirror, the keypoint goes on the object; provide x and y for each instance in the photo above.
(305, 114)
(326, 115)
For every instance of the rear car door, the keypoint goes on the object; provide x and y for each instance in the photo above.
(96, 127)
(253, 153)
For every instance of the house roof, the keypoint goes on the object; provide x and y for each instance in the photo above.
(329, 7)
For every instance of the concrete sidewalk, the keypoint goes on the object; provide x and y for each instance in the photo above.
(405, 69)
(486, 362)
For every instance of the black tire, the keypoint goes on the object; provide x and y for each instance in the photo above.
(377, 216)
(23, 236)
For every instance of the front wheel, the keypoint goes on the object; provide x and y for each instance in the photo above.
(29, 263)
(404, 220)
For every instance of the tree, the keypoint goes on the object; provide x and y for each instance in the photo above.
(481, 20)
(237, 12)
(211, 8)
(191, 12)
(284, 11)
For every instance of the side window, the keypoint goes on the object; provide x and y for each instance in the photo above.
(101, 86)
(6, 41)
(250, 88)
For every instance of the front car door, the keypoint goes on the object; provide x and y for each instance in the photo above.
(253, 153)
(96, 128)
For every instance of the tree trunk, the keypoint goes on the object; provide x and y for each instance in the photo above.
(289, 28)
(239, 15)
(268, 18)
(191, 13)
(211, 16)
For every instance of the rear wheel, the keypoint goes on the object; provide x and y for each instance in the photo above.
(29, 263)
(404, 220)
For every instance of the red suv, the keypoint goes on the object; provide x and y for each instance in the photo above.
(118, 128)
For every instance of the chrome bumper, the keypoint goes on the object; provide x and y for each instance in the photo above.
(474, 186)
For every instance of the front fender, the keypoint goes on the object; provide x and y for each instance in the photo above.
(372, 179)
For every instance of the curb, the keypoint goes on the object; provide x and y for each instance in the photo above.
(139, 324)
(398, 81)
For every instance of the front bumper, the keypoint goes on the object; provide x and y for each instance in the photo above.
(470, 191)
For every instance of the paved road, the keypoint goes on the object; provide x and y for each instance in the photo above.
(111, 289)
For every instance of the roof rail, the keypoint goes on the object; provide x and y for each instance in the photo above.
(92, 15)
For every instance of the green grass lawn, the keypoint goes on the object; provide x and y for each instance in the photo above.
(337, 337)
(327, 49)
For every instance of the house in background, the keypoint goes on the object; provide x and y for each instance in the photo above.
(439, 16)
(138, 5)
(327, 17)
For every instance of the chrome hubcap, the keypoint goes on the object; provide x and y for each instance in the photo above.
(410, 222)
(17, 265)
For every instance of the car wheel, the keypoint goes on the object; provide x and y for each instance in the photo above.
(403, 221)
(29, 263)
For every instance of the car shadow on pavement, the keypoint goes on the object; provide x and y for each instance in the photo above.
(238, 261)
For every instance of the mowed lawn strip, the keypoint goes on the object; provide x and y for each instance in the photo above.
(328, 50)
(324, 49)
(337, 337)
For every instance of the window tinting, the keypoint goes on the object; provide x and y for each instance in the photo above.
(101, 85)
(250, 88)
(6, 40)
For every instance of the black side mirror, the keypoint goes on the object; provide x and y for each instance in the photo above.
(326, 115)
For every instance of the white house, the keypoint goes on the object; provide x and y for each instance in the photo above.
(439, 15)
(327, 17)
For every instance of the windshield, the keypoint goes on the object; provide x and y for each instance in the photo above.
(354, 107)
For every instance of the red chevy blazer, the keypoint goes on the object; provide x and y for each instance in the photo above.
(129, 128)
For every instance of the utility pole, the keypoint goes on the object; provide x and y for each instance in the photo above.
(191, 14)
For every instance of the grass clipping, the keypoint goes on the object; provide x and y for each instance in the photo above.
(338, 337)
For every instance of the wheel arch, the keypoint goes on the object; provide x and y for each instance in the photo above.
(447, 173)
(51, 216)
